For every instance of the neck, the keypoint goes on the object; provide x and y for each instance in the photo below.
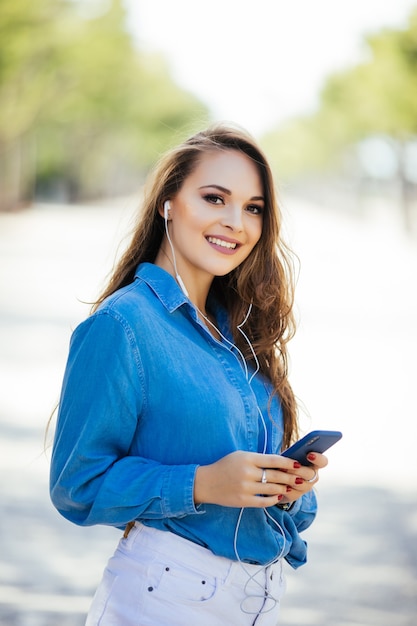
(197, 297)
(197, 287)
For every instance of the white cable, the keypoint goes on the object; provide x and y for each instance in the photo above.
(239, 327)
(266, 595)
(177, 276)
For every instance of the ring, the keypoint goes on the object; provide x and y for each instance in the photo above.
(263, 479)
(314, 477)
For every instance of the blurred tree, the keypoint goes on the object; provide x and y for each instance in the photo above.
(27, 54)
(378, 97)
(83, 113)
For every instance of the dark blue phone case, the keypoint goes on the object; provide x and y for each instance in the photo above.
(316, 441)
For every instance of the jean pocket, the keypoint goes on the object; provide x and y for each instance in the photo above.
(180, 583)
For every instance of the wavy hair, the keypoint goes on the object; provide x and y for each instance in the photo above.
(265, 279)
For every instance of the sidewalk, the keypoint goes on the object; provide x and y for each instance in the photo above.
(353, 366)
(362, 568)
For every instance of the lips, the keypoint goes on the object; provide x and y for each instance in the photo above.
(227, 245)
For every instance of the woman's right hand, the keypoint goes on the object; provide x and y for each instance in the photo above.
(235, 480)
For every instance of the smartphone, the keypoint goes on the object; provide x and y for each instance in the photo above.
(316, 441)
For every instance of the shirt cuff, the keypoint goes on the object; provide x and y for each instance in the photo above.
(178, 491)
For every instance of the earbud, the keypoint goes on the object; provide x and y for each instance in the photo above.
(167, 208)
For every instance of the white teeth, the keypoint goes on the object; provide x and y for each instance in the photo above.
(221, 242)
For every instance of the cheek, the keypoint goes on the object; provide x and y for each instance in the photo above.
(195, 218)
(255, 237)
(256, 232)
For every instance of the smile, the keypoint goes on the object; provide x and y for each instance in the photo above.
(222, 243)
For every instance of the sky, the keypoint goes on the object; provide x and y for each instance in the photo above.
(259, 63)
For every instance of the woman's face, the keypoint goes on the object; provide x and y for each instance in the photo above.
(215, 219)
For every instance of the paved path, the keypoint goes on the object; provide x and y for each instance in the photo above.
(362, 568)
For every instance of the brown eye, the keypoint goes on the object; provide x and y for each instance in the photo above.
(213, 198)
(255, 209)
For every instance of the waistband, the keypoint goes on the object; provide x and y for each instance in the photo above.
(190, 554)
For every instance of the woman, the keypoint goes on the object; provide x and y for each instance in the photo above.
(176, 403)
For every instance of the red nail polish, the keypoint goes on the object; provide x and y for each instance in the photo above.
(280, 496)
(297, 465)
(311, 456)
(299, 481)
(288, 488)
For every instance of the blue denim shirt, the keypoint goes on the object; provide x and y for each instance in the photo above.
(148, 395)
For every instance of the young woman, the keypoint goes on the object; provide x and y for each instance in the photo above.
(176, 403)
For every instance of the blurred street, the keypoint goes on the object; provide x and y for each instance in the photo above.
(353, 367)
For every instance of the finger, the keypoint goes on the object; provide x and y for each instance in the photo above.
(305, 474)
(281, 478)
(314, 478)
(303, 481)
(262, 502)
(318, 460)
(275, 461)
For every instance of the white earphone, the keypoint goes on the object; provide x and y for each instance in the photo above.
(167, 208)
(265, 594)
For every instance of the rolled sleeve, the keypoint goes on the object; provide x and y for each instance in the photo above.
(178, 491)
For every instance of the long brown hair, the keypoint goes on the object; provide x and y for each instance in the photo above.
(264, 279)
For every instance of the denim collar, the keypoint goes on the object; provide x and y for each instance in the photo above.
(167, 290)
(163, 285)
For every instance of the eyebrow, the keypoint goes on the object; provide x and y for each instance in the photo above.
(228, 192)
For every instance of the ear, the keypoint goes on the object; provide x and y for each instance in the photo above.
(165, 209)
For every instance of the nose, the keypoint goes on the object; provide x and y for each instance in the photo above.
(232, 218)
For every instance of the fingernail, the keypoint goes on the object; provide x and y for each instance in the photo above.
(280, 496)
(288, 488)
(311, 456)
(297, 465)
(299, 481)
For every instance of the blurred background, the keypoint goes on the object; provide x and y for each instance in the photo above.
(91, 93)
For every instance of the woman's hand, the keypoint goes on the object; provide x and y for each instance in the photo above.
(306, 476)
(236, 479)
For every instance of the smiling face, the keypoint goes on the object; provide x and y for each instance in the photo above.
(215, 220)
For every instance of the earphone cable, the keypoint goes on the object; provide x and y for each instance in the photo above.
(265, 595)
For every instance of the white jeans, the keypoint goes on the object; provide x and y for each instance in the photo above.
(156, 578)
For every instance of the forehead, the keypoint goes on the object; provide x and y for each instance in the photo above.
(231, 169)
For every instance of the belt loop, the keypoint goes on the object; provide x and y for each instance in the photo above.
(128, 528)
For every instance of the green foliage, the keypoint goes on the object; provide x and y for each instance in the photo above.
(27, 55)
(379, 96)
(77, 94)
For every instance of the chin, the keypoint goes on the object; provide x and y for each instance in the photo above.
(223, 272)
